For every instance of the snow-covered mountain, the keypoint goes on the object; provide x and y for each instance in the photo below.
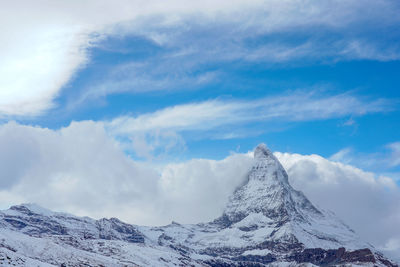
(266, 223)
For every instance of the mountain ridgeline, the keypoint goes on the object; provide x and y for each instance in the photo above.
(265, 223)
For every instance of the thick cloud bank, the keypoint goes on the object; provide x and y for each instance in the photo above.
(82, 170)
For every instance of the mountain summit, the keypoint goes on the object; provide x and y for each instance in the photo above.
(262, 152)
(268, 192)
(265, 223)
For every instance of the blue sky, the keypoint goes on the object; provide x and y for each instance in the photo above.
(364, 79)
(341, 61)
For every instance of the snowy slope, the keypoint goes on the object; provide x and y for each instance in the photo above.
(266, 222)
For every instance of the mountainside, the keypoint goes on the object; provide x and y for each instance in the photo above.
(266, 222)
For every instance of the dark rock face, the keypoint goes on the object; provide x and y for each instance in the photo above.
(15, 223)
(222, 263)
(39, 225)
(361, 255)
(34, 224)
(225, 221)
(269, 258)
(323, 257)
(114, 229)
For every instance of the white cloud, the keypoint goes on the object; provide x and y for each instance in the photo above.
(343, 155)
(35, 65)
(141, 79)
(40, 50)
(43, 43)
(77, 168)
(155, 144)
(295, 106)
(197, 190)
(203, 115)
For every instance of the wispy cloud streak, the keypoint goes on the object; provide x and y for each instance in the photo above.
(167, 129)
(207, 115)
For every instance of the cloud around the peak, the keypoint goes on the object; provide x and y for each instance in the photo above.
(80, 168)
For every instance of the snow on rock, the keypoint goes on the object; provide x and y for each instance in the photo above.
(266, 222)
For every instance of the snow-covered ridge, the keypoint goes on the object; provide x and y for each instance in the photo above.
(266, 222)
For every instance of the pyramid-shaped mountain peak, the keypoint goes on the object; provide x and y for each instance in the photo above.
(262, 152)
(267, 191)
